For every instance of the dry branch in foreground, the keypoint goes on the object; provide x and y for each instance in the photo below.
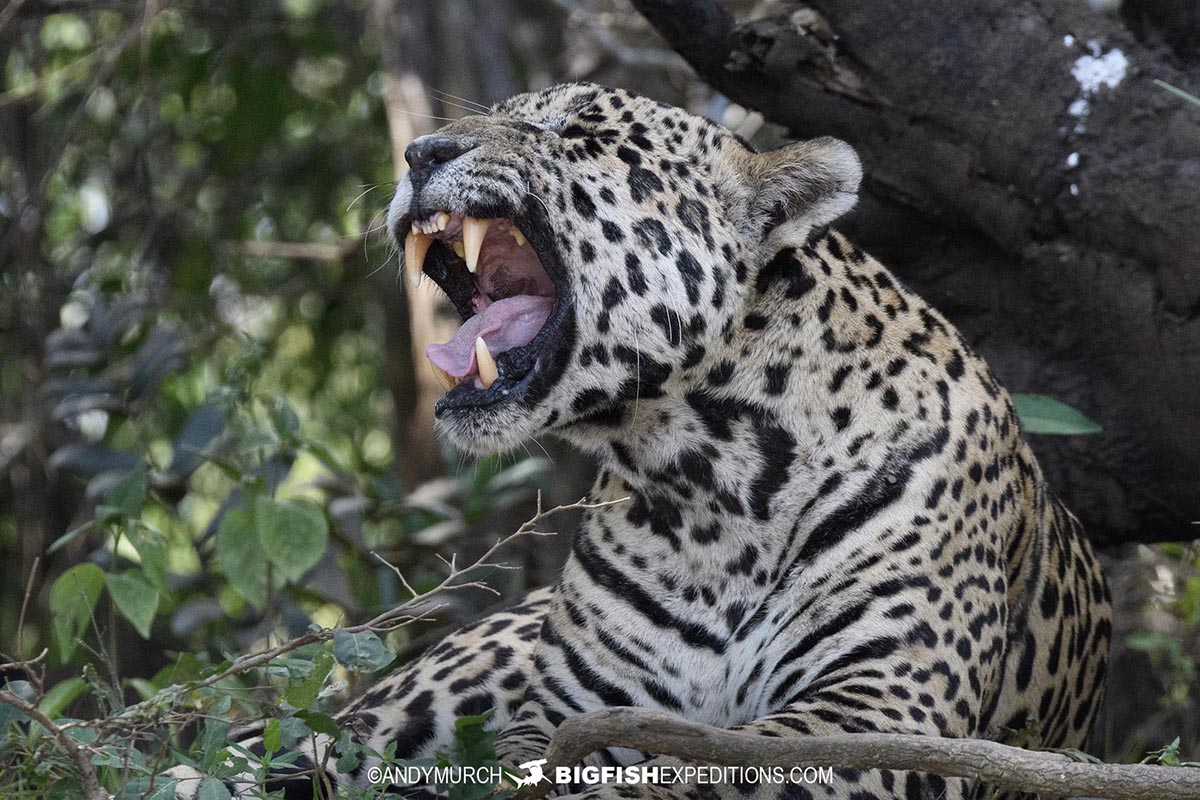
(1008, 768)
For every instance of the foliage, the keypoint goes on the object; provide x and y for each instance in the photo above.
(212, 408)
(267, 582)
(1168, 756)
(1175, 601)
(1042, 414)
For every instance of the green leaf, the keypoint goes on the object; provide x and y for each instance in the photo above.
(215, 735)
(153, 552)
(272, 737)
(129, 494)
(203, 425)
(473, 744)
(1191, 98)
(157, 787)
(349, 752)
(23, 690)
(162, 789)
(360, 652)
(291, 731)
(319, 722)
(70, 536)
(303, 694)
(240, 555)
(135, 598)
(72, 599)
(1042, 414)
(293, 534)
(287, 424)
(212, 789)
(60, 696)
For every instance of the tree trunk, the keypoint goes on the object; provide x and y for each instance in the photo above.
(1054, 222)
(411, 317)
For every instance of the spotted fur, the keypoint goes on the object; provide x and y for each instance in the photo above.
(833, 523)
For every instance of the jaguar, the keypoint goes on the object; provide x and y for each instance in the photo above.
(815, 512)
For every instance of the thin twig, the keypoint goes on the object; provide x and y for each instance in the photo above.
(37, 560)
(404, 614)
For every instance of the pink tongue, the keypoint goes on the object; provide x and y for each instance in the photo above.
(504, 324)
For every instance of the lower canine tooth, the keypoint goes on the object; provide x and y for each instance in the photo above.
(473, 231)
(520, 237)
(458, 248)
(487, 365)
(416, 245)
(447, 380)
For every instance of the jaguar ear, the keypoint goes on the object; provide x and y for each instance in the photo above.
(802, 186)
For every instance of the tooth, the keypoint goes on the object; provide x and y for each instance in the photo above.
(442, 219)
(416, 245)
(447, 380)
(458, 248)
(473, 231)
(520, 237)
(487, 365)
(416, 226)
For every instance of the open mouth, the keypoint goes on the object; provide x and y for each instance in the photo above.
(503, 287)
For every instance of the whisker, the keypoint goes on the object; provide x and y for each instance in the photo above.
(544, 450)
(365, 192)
(425, 116)
(637, 387)
(381, 266)
(366, 235)
(484, 106)
(535, 197)
(474, 108)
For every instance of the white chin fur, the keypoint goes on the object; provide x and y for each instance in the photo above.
(400, 203)
(501, 433)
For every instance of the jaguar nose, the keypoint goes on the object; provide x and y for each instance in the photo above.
(428, 153)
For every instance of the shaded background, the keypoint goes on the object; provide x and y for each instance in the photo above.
(193, 277)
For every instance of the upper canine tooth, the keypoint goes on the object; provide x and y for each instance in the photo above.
(442, 219)
(520, 237)
(473, 231)
(487, 365)
(416, 245)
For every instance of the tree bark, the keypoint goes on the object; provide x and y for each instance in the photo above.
(1175, 22)
(1064, 246)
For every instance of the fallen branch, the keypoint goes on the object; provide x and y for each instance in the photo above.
(1007, 768)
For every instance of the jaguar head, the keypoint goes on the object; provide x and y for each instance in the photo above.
(598, 247)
